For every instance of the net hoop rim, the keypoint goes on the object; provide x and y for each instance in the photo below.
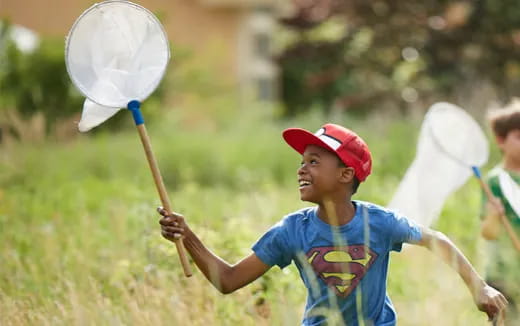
(125, 3)
(442, 106)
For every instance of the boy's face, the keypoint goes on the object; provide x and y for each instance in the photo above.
(510, 145)
(321, 175)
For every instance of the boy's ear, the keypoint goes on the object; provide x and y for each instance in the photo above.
(500, 141)
(347, 174)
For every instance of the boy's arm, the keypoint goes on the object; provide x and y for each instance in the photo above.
(491, 224)
(487, 299)
(225, 277)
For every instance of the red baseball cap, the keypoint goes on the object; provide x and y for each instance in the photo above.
(349, 147)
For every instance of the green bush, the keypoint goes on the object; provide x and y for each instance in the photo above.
(37, 81)
(81, 242)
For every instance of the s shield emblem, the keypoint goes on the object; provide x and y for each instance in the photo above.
(341, 268)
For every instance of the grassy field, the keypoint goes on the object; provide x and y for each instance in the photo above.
(80, 242)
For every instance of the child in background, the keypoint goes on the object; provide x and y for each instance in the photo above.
(503, 266)
(341, 246)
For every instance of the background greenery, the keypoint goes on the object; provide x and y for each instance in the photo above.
(79, 238)
(81, 243)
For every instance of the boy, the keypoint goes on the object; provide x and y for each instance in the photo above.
(503, 266)
(341, 247)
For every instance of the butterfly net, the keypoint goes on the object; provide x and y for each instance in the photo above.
(450, 143)
(116, 52)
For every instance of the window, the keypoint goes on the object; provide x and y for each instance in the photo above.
(264, 87)
(262, 46)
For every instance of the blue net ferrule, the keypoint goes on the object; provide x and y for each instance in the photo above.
(136, 112)
(476, 171)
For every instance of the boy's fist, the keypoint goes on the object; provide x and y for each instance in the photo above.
(490, 301)
(495, 207)
(172, 225)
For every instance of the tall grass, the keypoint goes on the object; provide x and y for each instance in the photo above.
(80, 242)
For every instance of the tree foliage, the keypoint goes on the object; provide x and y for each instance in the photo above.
(357, 54)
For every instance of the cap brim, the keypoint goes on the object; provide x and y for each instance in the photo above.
(299, 139)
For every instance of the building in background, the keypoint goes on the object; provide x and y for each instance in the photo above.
(232, 37)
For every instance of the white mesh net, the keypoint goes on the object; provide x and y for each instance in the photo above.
(116, 52)
(450, 143)
(94, 114)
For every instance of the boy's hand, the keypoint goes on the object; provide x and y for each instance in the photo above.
(491, 225)
(490, 301)
(495, 207)
(173, 226)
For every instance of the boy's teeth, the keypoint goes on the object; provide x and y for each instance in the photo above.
(304, 183)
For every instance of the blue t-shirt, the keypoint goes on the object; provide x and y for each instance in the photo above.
(344, 268)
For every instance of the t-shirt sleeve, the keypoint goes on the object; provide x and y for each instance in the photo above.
(404, 230)
(273, 248)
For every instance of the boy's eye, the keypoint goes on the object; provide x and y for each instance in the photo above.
(312, 162)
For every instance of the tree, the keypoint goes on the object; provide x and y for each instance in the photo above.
(360, 55)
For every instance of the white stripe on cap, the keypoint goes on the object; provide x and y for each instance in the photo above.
(333, 143)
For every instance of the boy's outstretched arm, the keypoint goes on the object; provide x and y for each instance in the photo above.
(225, 277)
(487, 299)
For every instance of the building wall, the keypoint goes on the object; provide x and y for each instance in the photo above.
(231, 37)
(189, 24)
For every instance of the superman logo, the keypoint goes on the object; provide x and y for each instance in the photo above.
(341, 268)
